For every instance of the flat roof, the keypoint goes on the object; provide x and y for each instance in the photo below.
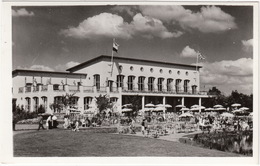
(107, 57)
(19, 71)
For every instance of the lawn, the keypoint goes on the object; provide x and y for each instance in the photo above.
(65, 143)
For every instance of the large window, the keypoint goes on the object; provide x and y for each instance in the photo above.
(120, 81)
(194, 89)
(97, 81)
(177, 85)
(141, 83)
(151, 83)
(185, 86)
(110, 85)
(35, 104)
(44, 102)
(87, 102)
(28, 104)
(169, 84)
(160, 84)
(130, 82)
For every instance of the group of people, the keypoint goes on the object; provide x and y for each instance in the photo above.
(51, 122)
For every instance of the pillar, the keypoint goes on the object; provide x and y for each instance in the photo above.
(50, 100)
(81, 103)
(200, 105)
(164, 107)
(143, 102)
(182, 101)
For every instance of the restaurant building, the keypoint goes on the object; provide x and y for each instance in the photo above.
(118, 77)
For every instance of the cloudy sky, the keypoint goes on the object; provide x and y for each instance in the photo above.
(56, 38)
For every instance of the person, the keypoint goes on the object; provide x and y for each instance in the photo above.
(132, 127)
(47, 122)
(143, 126)
(66, 122)
(40, 123)
(76, 126)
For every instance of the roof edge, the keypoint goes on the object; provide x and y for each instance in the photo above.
(125, 58)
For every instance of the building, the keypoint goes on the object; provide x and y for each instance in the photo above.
(155, 82)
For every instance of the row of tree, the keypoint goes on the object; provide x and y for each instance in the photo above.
(227, 101)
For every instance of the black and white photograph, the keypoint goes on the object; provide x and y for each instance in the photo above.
(143, 80)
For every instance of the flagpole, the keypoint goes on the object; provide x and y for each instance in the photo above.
(112, 57)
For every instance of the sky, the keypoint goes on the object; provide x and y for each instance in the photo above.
(55, 38)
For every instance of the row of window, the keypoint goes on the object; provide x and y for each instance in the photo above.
(141, 83)
(151, 70)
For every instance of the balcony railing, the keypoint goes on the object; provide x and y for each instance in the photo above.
(101, 89)
(164, 91)
(88, 89)
(73, 88)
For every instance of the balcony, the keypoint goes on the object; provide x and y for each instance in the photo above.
(164, 91)
(88, 89)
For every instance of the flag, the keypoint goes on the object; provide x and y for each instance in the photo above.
(115, 46)
(201, 56)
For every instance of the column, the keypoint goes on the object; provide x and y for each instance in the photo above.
(50, 100)
(119, 103)
(81, 103)
(164, 107)
(143, 102)
(31, 104)
(182, 101)
(199, 104)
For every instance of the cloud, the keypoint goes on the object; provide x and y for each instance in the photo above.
(21, 13)
(189, 52)
(66, 66)
(37, 67)
(102, 25)
(150, 27)
(210, 19)
(229, 75)
(112, 25)
(247, 45)
(130, 10)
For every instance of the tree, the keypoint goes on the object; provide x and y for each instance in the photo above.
(65, 101)
(136, 104)
(103, 102)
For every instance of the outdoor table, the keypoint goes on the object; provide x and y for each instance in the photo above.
(203, 127)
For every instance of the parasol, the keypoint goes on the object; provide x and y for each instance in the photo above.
(236, 105)
(217, 106)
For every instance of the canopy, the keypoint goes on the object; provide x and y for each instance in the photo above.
(149, 105)
(221, 109)
(244, 108)
(209, 109)
(180, 106)
(226, 114)
(186, 115)
(236, 105)
(127, 105)
(159, 105)
(217, 106)
(197, 108)
(184, 109)
(194, 106)
(168, 106)
(148, 109)
(158, 109)
(127, 110)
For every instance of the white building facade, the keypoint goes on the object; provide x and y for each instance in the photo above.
(118, 77)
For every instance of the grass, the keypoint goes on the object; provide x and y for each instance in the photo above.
(65, 143)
